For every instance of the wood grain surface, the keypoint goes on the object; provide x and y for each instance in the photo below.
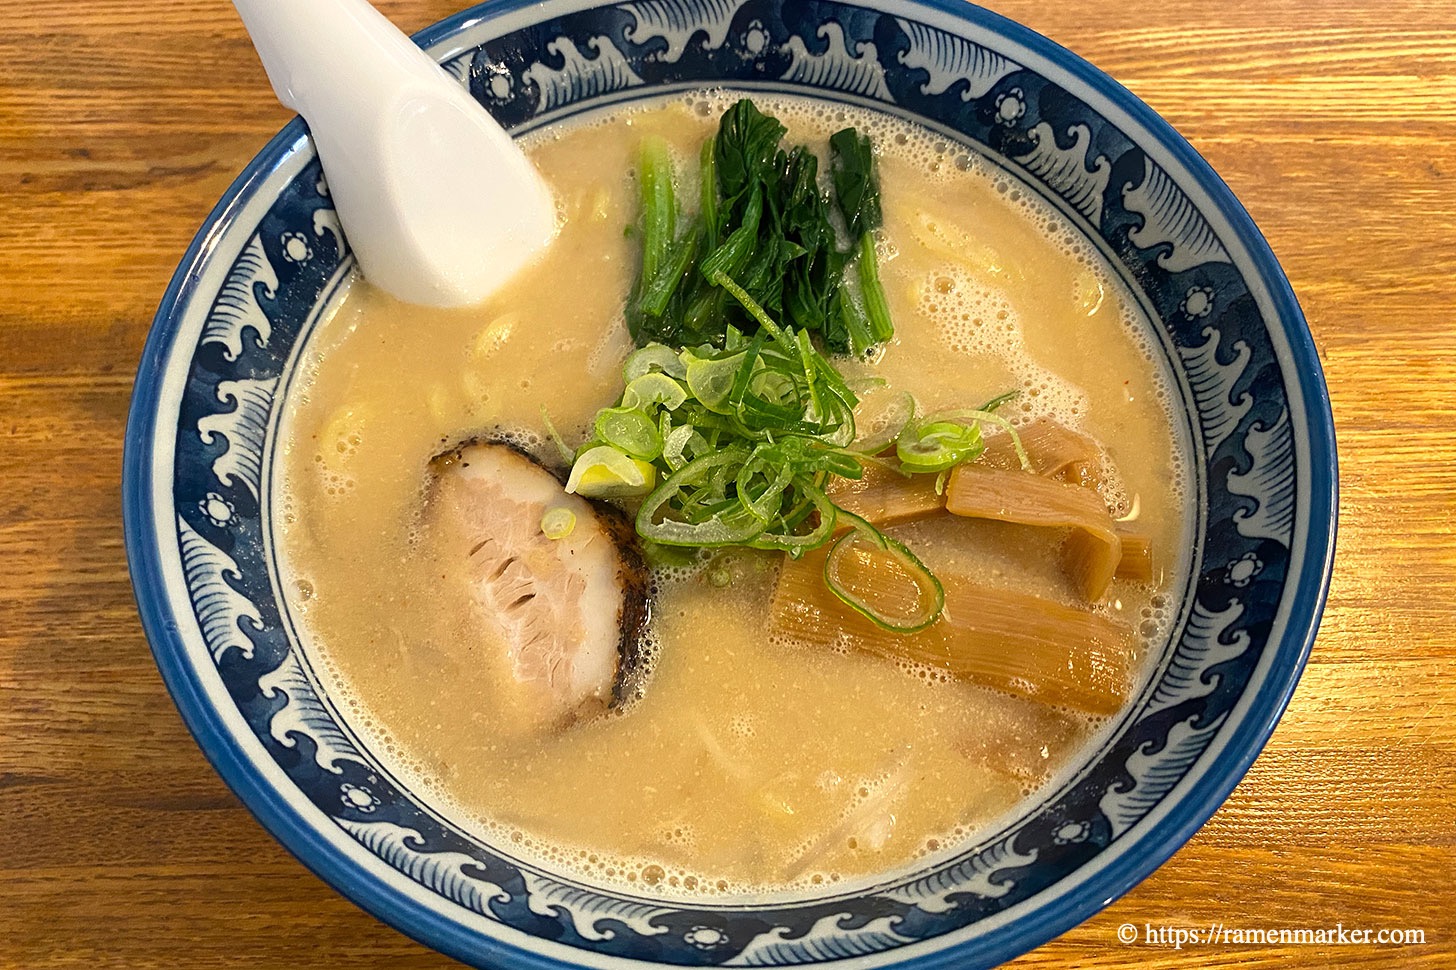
(122, 122)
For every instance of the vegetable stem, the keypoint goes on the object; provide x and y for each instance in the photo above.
(754, 310)
(708, 191)
(671, 270)
(877, 308)
(856, 322)
(659, 207)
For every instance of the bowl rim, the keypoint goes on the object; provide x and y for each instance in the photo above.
(1031, 929)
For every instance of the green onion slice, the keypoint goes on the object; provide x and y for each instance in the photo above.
(937, 445)
(674, 443)
(654, 388)
(711, 381)
(988, 415)
(558, 523)
(907, 597)
(769, 499)
(797, 544)
(654, 357)
(630, 431)
(605, 472)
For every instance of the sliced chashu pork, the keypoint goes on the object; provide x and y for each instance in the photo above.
(569, 610)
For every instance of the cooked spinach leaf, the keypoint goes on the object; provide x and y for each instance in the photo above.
(764, 222)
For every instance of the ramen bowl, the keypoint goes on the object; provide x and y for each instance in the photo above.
(272, 258)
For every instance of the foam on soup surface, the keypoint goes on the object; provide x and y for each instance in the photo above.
(742, 763)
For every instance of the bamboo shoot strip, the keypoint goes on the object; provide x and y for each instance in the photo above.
(884, 497)
(1136, 564)
(1013, 496)
(1000, 638)
(1055, 451)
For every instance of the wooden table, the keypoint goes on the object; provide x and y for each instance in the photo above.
(121, 122)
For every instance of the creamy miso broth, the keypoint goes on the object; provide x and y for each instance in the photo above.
(740, 762)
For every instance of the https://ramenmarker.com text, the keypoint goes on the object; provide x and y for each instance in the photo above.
(1218, 934)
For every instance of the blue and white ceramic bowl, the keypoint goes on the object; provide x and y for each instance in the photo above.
(232, 326)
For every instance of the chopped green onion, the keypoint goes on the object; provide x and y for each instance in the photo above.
(654, 388)
(720, 527)
(938, 445)
(928, 596)
(766, 504)
(797, 544)
(987, 415)
(744, 442)
(673, 444)
(558, 523)
(604, 472)
(664, 360)
(630, 431)
(711, 381)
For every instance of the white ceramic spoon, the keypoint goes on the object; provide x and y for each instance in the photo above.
(440, 207)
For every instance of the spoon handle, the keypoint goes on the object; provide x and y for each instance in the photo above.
(439, 205)
(333, 53)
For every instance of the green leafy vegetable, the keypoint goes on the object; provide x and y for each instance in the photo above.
(763, 222)
(856, 182)
(856, 189)
(877, 308)
(659, 206)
